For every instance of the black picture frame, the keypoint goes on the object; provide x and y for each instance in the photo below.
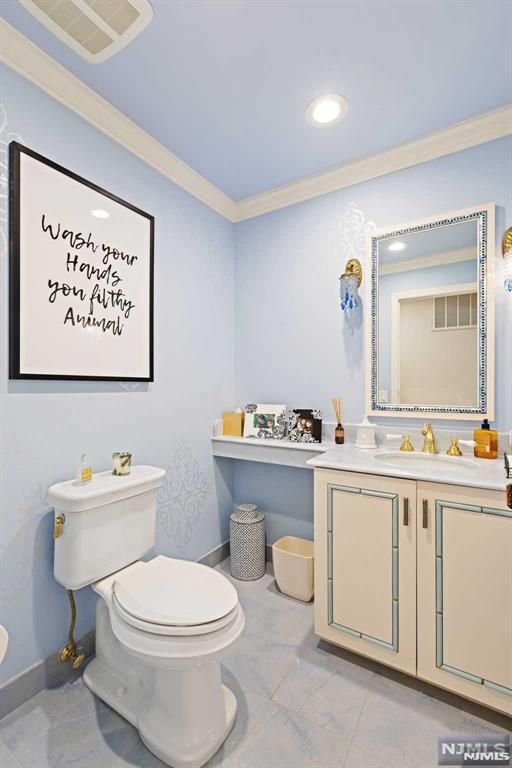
(296, 433)
(16, 150)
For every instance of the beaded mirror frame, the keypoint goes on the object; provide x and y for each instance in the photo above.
(484, 215)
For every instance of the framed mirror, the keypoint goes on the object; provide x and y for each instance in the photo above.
(431, 320)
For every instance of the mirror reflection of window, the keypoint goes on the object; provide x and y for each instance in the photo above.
(428, 317)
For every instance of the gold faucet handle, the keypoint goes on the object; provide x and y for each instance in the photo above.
(406, 441)
(59, 522)
(407, 445)
(454, 449)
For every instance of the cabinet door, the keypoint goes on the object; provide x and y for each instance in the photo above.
(465, 592)
(365, 565)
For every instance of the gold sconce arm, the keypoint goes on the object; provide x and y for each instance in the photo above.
(506, 243)
(353, 267)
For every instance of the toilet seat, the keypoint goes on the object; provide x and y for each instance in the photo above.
(175, 631)
(173, 597)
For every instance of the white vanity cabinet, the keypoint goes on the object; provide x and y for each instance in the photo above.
(464, 542)
(365, 565)
(419, 577)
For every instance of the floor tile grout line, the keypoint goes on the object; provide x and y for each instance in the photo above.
(301, 714)
(11, 754)
(363, 705)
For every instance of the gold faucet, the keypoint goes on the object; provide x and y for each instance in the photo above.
(429, 445)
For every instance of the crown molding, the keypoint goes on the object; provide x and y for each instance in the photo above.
(424, 262)
(469, 133)
(26, 58)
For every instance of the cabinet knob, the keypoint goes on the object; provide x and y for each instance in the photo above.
(425, 513)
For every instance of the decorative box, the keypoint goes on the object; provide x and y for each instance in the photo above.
(233, 423)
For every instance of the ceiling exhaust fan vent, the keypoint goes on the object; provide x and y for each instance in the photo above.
(95, 29)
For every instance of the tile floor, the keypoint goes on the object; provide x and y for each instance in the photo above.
(301, 703)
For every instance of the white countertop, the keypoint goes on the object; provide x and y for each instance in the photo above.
(280, 444)
(465, 470)
(280, 452)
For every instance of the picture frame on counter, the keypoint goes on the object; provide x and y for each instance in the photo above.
(305, 425)
(265, 421)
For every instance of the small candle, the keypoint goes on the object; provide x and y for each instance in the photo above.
(121, 463)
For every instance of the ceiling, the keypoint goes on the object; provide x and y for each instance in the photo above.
(223, 83)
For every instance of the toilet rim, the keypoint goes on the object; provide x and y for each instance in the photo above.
(170, 630)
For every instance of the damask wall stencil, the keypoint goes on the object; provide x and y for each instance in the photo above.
(182, 497)
(354, 228)
(6, 136)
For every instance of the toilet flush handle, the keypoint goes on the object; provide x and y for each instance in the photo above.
(59, 522)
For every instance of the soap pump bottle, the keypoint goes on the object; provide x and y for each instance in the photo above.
(486, 440)
(83, 471)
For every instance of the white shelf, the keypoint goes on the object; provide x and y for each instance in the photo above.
(281, 452)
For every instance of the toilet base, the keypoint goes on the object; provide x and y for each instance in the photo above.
(109, 687)
(183, 715)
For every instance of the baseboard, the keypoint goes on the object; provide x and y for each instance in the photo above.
(51, 673)
(220, 553)
(215, 556)
(48, 673)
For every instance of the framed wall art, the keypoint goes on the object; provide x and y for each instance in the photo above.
(81, 277)
(265, 421)
(305, 426)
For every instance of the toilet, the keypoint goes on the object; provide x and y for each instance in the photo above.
(162, 625)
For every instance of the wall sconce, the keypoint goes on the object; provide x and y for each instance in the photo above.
(350, 281)
(506, 247)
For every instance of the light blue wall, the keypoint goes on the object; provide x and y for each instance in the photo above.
(46, 425)
(292, 343)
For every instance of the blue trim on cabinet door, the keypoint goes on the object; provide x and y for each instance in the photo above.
(394, 564)
(440, 507)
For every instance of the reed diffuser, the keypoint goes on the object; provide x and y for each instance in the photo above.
(339, 432)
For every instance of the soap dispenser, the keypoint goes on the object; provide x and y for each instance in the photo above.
(486, 440)
(83, 471)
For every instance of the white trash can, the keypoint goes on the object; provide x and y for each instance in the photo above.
(293, 567)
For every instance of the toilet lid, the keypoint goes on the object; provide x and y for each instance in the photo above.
(175, 593)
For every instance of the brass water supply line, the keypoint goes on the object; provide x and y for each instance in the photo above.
(69, 652)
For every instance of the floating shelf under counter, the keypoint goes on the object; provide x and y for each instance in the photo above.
(282, 452)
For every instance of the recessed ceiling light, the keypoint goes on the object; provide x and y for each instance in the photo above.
(326, 110)
(397, 246)
(100, 213)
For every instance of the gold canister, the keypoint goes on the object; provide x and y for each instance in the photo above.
(121, 463)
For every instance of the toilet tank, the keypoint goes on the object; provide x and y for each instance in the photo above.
(109, 522)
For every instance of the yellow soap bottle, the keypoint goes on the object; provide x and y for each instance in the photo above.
(486, 440)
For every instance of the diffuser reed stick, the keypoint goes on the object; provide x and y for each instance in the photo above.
(339, 432)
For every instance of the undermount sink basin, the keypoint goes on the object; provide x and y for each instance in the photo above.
(426, 461)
